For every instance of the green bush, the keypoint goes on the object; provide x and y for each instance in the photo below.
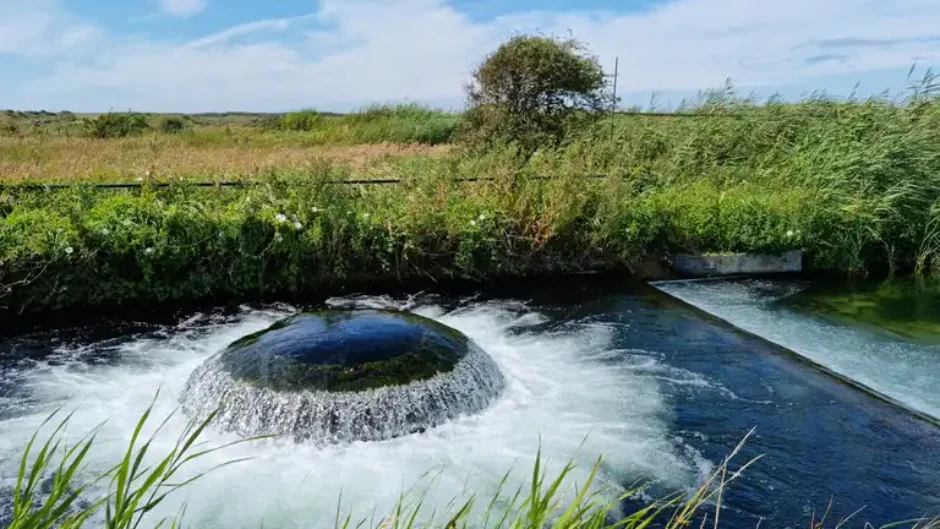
(111, 125)
(172, 125)
(531, 91)
(304, 120)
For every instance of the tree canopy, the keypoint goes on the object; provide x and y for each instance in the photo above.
(531, 89)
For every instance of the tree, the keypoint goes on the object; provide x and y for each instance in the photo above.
(531, 90)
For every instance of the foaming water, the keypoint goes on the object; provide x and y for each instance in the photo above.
(903, 370)
(561, 395)
(327, 416)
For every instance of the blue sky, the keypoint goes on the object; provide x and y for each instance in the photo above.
(218, 55)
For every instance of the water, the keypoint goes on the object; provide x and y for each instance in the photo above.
(375, 414)
(890, 363)
(591, 367)
(907, 308)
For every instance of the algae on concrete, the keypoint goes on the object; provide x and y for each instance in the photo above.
(908, 308)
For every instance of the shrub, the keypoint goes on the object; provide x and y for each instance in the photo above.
(304, 120)
(172, 125)
(531, 89)
(110, 125)
(267, 122)
(408, 123)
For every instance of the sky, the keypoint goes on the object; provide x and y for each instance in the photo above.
(340, 55)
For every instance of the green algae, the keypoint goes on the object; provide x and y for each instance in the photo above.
(907, 308)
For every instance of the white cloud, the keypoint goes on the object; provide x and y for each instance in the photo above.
(352, 52)
(41, 29)
(272, 25)
(182, 8)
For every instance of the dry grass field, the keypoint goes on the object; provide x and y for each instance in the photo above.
(31, 158)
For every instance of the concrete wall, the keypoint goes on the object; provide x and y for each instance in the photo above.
(734, 264)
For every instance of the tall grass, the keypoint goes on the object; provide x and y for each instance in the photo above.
(134, 486)
(80, 246)
(855, 184)
(869, 170)
(376, 124)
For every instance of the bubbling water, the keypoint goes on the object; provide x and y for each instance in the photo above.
(562, 396)
(328, 416)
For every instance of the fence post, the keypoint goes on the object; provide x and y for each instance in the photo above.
(613, 101)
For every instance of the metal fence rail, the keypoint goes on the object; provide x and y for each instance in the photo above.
(39, 186)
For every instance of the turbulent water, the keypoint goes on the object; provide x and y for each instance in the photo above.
(591, 367)
(329, 417)
(562, 395)
(906, 371)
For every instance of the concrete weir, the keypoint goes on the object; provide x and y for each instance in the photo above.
(717, 265)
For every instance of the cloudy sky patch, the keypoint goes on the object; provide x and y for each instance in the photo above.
(210, 55)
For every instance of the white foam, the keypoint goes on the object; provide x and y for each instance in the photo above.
(905, 371)
(559, 397)
(339, 416)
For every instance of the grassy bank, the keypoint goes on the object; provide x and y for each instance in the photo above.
(83, 246)
(854, 184)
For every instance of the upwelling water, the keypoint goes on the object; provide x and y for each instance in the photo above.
(592, 368)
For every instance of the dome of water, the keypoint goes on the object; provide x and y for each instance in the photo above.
(344, 375)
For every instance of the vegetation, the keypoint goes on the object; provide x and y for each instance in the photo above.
(405, 124)
(399, 124)
(856, 184)
(172, 125)
(907, 307)
(81, 246)
(115, 125)
(214, 148)
(209, 155)
(304, 120)
(131, 488)
(853, 183)
(532, 91)
(125, 496)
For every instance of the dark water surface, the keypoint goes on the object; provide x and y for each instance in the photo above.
(858, 333)
(821, 440)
